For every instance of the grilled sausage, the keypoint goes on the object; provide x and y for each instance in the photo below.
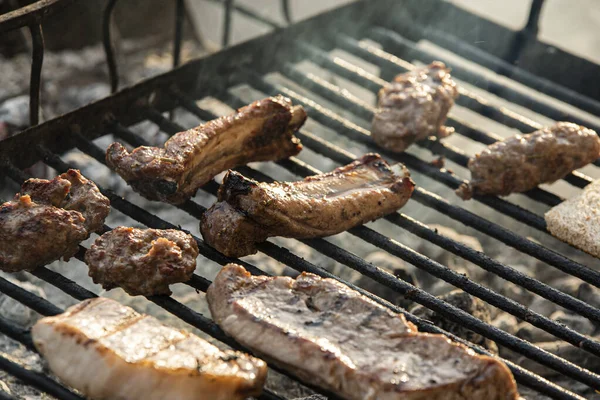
(522, 162)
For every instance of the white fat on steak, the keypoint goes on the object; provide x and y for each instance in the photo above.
(331, 336)
(109, 351)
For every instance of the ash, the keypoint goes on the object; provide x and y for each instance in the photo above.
(62, 92)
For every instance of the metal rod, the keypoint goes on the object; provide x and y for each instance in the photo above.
(16, 333)
(341, 125)
(408, 49)
(356, 106)
(529, 32)
(301, 265)
(286, 10)
(485, 262)
(227, 16)
(38, 380)
(361, 77)
(37, 59)
(108, 46)
(437, 270)
(179, 18)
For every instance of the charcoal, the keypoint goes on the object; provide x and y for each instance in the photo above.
(16, 312)
(508, 323)
(313, 397)
(395, 266)
(575, 322)
(470, 304)
(533, 334)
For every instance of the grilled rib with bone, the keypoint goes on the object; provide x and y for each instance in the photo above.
(331, 336)
(261, 131)
(249, 212)
(522, 162)
(109, 351)
(48, 219)
(414, 106)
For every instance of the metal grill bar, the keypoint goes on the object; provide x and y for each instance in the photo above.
(171, 128)
(470, 52)
(395, 65)
(374, 83)
(341, 125)
(311, 268)
(339, 96)
(431, 266)
(37, 380)
(333, 121)
(297, 167)
(410, 49)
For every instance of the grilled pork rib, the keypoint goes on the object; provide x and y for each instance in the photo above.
(522, 162)
(261, 131)
(333, 337)
(109, 351)
(142, 261)
(48, 219)
(249, 212)
(414, 106)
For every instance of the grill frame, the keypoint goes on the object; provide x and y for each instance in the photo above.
(131, 105)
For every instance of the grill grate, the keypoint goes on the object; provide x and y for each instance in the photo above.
(115, 114)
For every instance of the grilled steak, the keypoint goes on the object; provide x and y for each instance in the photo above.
(32, 234)
(142, 261)
(249, 212)
(414, 106)
(261, 131)
(48, 219)
(71, 191)
(522, 162)
(109, 351)
(333, 337)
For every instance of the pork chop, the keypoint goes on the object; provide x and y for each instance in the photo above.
(333, 337)
(110, 352)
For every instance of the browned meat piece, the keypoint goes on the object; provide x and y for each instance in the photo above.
(414, 106)
(48, 219)
(142, 261)
(109, 351)
(522, 162)
(261, 131)
(333, 337)
(71, 191)
(32, 234)
(249, 212)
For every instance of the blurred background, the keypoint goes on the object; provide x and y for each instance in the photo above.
(142, 32)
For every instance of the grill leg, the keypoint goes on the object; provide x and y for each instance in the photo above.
(179, 16)
(285, 8)
(228, 13)
(37, 55)
(108, 47)
(530, 31)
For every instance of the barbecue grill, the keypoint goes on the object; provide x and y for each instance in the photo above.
(384, 34)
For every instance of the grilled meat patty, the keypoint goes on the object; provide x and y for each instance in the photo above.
(48, 219)
(33, 235)
(414, 106)
(261, 131)
(108, 351)
(249, 212)
(71, 191)
(522, 162)
(333, 337)
(142, 261)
